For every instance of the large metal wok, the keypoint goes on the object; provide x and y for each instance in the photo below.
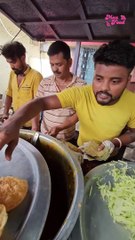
(67, 185)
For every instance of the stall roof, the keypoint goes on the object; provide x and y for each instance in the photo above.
(73, 20)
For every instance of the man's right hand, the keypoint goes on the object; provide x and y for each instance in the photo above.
(9, 134)
(53, 131)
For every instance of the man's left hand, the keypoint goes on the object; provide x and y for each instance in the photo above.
(94, 151)
(106, 147)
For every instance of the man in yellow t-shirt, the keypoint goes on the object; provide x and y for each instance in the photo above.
(99, 122)
(104, 109)
(23, 81)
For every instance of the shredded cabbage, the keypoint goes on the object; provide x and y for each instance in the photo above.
(120, 196)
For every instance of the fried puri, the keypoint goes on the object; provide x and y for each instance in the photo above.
(12, 191)
(3, 218)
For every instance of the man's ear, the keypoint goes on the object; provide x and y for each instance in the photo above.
(23, 57)
(70, 62)
(129, 77)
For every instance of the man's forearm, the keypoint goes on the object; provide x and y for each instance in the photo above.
(125, 139)
(69, 122)
(35, 123)
(33, 108)
(27, 112)
(8, 102)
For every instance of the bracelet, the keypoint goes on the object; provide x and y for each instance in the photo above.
(120, 142)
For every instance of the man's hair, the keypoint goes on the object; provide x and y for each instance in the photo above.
(118, 52)
(57, 47)
(13, 50)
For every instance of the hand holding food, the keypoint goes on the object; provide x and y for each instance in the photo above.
(94, 151)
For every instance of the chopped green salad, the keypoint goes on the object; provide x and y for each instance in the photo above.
(118, 190)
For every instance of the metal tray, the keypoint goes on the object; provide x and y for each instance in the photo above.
(27, 220)
(95, 219)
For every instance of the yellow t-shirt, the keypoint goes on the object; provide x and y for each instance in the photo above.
(27, 89)
(99, 122)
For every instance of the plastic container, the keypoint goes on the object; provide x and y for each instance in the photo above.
(96, 221)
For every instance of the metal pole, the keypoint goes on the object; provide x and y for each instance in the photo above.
(76, 57)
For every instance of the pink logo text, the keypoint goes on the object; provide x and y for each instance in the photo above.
(111, 20)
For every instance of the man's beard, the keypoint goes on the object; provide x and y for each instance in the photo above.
(18, 71)
(104, 101)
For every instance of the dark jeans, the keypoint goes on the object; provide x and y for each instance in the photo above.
(74, 140)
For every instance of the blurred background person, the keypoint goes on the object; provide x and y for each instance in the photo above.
(23, 80)
(59, 123)
(131, 83)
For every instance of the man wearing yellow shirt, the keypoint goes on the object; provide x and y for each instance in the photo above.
(104, 109)
(23, 81)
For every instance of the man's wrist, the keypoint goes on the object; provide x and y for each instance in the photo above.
(117, 142)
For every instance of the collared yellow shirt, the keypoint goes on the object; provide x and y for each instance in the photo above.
(27, 89)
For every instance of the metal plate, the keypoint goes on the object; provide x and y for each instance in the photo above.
(27, 220)
(96, 221)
